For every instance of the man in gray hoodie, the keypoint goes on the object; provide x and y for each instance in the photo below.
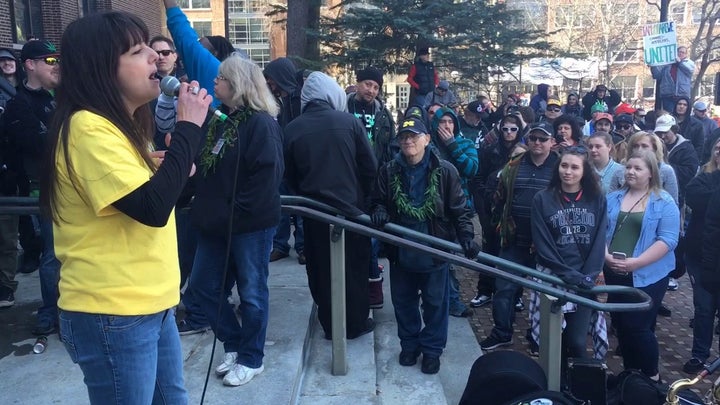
(335, 166)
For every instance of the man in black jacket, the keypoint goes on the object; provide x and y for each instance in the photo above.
(681, 153)
(690, 127)
(611, 98)
(26, 118)
(335, 166)
(282, 78)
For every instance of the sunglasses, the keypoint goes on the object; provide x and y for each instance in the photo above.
(50, 60)
(624, 126)
(554, 109)
(510, 129)
(541, 139)
(165, 52)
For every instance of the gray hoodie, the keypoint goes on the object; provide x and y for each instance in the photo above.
(319, 86)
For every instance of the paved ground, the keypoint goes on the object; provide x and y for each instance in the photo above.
(674, 333)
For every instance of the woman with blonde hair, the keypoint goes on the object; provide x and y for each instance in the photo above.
(648, 141)
(237, 204)
(642, 233)
(705, 300)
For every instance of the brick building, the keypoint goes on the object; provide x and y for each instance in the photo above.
(47, 19)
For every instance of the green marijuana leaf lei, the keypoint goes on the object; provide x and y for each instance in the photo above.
(405, 207)
(208, 159)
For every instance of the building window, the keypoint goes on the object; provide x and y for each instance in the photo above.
(191, 4)
(260, 56)
(625, 86)
(677, 13)
(246, 6)
(707, 85)
(573, 16)
(202, 28)
(648, 87)
(402, 97)
(88, 7)
(27, 19)
(625, 56)
(696, 14)
(245, 31)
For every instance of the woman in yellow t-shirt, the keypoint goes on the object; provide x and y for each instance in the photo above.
(111, 201)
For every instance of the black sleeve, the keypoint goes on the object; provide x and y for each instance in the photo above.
(711, 244)
(613, 99)
(152, 203)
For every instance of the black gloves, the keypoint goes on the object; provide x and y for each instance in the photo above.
(380, 217)
(471, 248)
(585, 284)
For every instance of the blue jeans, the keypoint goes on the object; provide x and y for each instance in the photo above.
(251, 253)
(126, 359)
(503, 305)
(668, 103)
(282, 235)
(433, 287)
(187, 244)
(706, 305)
(457, 307)
(49, 276)
(636, 330)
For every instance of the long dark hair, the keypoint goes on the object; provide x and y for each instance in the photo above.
(91, 49)
(589, 182)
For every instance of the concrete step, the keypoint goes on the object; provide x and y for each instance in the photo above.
(374, 374)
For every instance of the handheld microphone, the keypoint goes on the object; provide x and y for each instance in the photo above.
(170, 86)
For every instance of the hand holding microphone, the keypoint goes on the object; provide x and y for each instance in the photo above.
(193, 101)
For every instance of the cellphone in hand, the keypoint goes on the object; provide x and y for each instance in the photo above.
(619, 255)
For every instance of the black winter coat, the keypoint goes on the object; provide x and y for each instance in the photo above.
(329, 158)
(452, 220)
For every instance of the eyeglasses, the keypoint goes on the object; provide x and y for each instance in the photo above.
(408, 136)
(510, 129)
(554, 109)
(623, 126)
(50, 60)
(220, 78)
(165, 52)
(541, 139)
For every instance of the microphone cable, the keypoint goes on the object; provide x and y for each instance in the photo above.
(224, 276)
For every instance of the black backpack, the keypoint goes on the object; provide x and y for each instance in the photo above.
(632, 387)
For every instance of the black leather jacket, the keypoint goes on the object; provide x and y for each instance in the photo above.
(452, 220)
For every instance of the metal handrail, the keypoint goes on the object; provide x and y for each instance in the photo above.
(441, 247)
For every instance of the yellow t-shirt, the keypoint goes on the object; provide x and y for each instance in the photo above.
(111, 263)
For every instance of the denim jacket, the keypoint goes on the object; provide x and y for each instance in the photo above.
(660, 222)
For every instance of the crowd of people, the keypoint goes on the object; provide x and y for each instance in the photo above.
(591, 190)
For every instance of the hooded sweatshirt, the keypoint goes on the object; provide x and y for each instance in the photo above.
(327, 154)
(539, 101)
(283, 73)
(459, 151)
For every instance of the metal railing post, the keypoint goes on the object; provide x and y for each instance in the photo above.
(550, 339)
(337, 300)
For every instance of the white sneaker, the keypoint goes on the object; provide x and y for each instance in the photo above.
(227, 364)
(241, 375)
(672, 284)
(480, 300)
